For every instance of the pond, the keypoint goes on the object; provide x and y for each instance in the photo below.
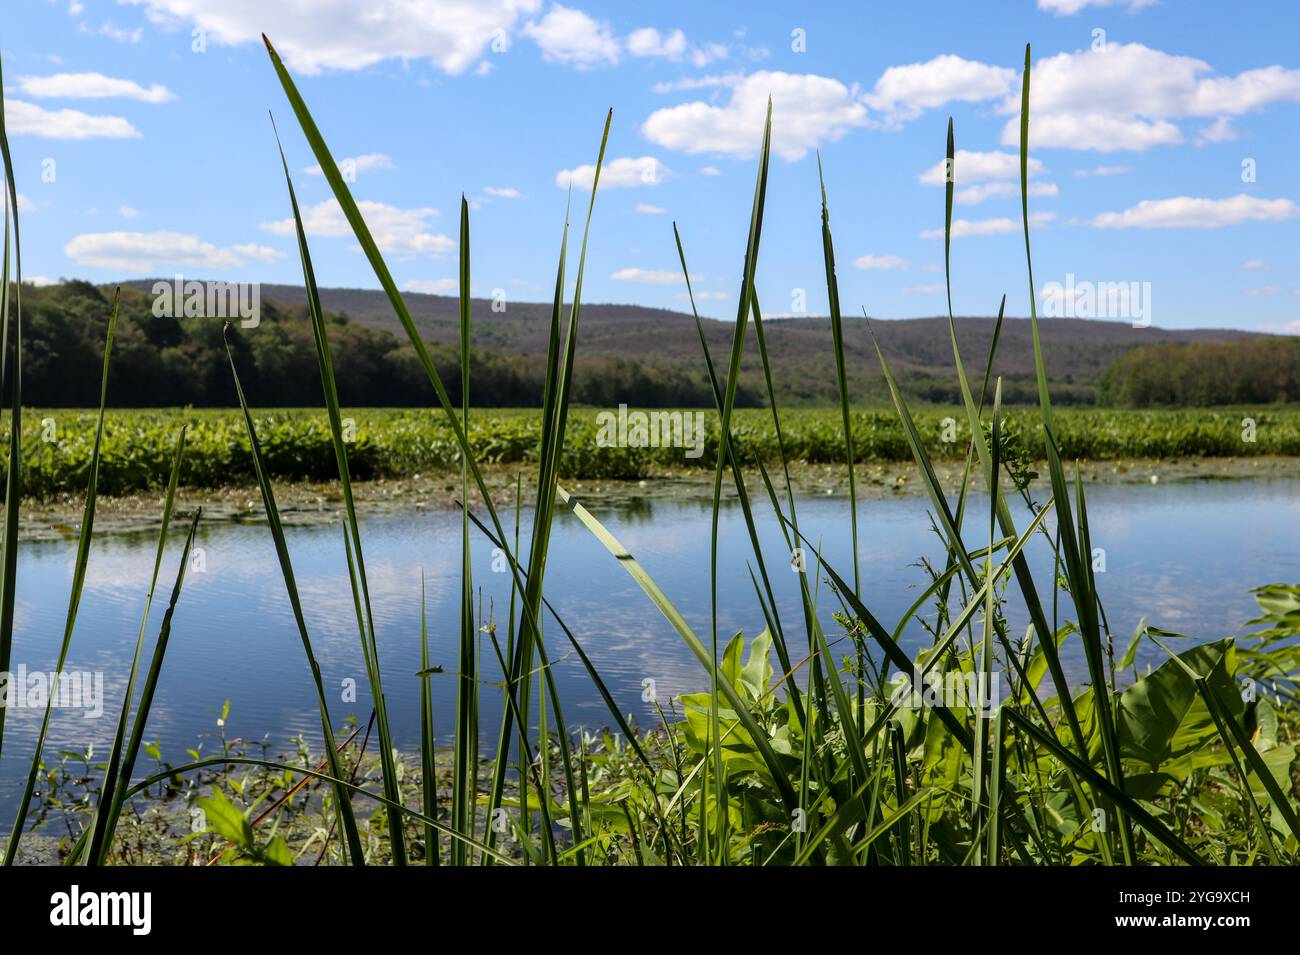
(1183, 555)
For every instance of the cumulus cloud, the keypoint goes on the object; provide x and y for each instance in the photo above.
(401, 232)
(673, 46)
(1126, 96)
(503, 192)
(149, 252)
(971, 167)
(316, 35)
(645, 209)
(997, 226)
(807, 110)
(1185, 212)
(569, 36)
(974, 195)
(28, 119)
(91, 86)
(623, 173)
(904, 92)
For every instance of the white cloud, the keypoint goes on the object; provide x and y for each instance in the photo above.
(358, 164)
(807, 110)
(974, 195)
(706, 297)
(1065, 8)
(650, 42)
(672, 46)
(648, 277)
(1185, 212)
(646, 209)
(569, 36)
(623, 173)
(149, 252)
(434, 286)
(28, 119)
(881, 262)
(971, 167)
(126, 212)
(1267, 291)
(91, 86)
(503, 192)
(710, 171)
(1252, 265)
(699, 82)
(401, 232)
(37, 280)
(999, 226)
(263, 253)
(316, 35)
(904, 92)
(1125, 96)
(24, 204)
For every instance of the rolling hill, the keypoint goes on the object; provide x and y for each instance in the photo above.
(662, 341)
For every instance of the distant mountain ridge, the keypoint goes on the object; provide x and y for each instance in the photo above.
(1077, 351)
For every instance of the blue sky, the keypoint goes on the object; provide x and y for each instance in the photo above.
(1165, 134)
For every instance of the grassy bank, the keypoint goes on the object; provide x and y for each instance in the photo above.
(136, 448)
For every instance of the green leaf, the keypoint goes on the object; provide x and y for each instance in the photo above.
(1161, 718)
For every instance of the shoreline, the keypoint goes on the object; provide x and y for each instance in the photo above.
(307, 503)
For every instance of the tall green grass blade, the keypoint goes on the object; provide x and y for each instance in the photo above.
(344, 805)
(74, 599)
(109, 807)
(841, 376)
(14, 395)
(692, 641)
(724, 428)
(352, 532)
(1078, 564)
(428, 741)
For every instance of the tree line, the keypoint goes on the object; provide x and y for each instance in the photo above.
(1246, 371)
(178, 361)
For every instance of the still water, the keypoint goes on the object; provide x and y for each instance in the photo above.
(1184, 556)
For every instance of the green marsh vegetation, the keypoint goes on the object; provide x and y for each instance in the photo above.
(799, 747)
(136, 445)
